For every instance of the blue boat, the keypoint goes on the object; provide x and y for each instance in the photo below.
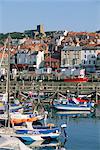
(71, 105)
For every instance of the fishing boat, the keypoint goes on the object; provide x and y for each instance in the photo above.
(79, 78)
(76, 79)
(30, 136)
(17, 117)
(71, 107)
(72, 104)
(17, 113)
(44, 132)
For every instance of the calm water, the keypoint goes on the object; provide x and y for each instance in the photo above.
(83, 133)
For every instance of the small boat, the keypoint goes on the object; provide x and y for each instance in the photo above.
(37, 132)
(20, 118)
(72, 105)
(17, 117)
(29, 135)
(76, 79)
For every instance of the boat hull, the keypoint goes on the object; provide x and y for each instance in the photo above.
(31, 136)
(72, 108)
(76, 79)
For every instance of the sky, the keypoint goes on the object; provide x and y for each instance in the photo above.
(70, 15)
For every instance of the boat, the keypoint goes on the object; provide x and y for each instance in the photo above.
(29, 133)
(48, 131)
(71, 107)
(76, 79)
(73, 104)
(81, 77)
(19, 117)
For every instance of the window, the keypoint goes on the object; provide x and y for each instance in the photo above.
(94, 62)
(73, 61)
(64, 61)
(93, 56)
(89, 61)
(84, 56)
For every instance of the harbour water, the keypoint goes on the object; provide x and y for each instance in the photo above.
(83, 132)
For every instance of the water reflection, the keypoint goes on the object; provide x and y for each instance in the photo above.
(46, 145)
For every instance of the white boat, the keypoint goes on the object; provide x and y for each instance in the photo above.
(72, 107)
(29, 136)
(17, 117)
(69, 106)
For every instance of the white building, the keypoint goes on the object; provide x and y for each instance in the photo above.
(89, 56)
(39, 59)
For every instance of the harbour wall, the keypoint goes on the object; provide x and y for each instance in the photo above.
(80, 88)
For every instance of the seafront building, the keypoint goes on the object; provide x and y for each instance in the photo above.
(98, 62)
(55, 49)
(78, 56)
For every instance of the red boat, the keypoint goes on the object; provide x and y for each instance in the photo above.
(76, 79)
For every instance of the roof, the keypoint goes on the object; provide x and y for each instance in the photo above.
(93, 45)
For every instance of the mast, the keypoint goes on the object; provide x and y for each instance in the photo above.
(8, 82)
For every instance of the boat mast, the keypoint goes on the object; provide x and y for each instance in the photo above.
(8, 82)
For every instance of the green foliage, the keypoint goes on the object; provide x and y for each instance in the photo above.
(14, 35)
